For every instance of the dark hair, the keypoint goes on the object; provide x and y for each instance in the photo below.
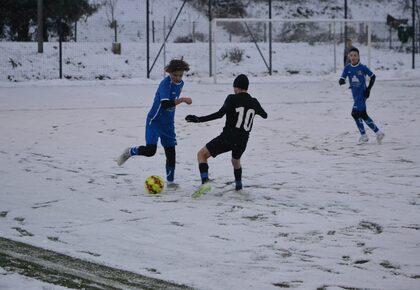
(177, 65)
(354, 49)
(241, 82)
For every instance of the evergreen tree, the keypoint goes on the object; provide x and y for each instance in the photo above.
(18, 16)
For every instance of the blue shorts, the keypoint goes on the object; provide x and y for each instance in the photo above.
(359, 103)
(156, 130)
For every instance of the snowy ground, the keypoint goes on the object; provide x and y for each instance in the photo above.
(318, 210)
(15, 281)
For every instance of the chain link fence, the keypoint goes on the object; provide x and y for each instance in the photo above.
(88, 52)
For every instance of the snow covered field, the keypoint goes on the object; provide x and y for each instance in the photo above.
(318, 211)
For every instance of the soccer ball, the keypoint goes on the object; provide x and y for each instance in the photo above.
(154, 184)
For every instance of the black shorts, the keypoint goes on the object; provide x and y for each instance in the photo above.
(222, 144)
(359, 114)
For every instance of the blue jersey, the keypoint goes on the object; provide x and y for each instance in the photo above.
(357, 78)
(167, 90)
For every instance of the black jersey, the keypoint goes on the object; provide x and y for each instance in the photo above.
(240, 110)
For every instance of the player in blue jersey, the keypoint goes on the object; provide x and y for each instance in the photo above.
(356, 73)
(160, 119)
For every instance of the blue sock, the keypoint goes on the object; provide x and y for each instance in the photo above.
(238, 184)
(204, 177)
(134, 151)
(170, 173)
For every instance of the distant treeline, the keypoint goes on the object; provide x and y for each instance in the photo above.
(18, 18)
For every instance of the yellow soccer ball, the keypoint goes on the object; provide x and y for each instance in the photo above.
(154, 184)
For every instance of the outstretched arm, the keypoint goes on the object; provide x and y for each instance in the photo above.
(195, 119)
(263, 114)
(260, 111)
(172, 103)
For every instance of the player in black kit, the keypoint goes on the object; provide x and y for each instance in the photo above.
(240, 109)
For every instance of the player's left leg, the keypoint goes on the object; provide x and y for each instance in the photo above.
(170, 154)
(237, 151)
(168, 141)
(371, 124)
(202, 156)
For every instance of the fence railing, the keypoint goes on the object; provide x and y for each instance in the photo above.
(88, 54)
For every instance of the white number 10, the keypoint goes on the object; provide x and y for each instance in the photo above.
(249, 118)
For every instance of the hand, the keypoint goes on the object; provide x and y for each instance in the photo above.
(341, 81)
(188, 101)
(192, 119)
(367, 93)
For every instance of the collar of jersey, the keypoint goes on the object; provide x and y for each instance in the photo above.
(355, 65)
(172, 82)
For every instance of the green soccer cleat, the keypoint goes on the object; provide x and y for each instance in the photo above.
(206, 187)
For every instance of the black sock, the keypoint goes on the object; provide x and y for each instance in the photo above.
(238, 174)
(204, 172)
(148, 150)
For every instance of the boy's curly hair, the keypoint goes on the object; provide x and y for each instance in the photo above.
(177, 65)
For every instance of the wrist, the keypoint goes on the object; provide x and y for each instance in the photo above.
(178, 101)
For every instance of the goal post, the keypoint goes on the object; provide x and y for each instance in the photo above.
(328, 33)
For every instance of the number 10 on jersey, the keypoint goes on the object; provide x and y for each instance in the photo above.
(245, 119)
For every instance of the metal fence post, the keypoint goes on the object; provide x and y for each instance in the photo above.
(210, 40)
(60, 40)
(40, 35)
(414, 34)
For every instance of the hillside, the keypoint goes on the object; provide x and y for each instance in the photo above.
(131, 15)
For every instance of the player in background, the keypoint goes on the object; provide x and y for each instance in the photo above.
(348, 46)
(240, 109)
(160, 119)
(356, 73)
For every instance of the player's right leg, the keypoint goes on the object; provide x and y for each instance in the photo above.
(152, 136)
(359, 122)
(237, 151)
(202, 156)
(237, 171)
(148, 151)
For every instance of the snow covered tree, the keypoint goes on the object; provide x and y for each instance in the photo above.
(110, 9)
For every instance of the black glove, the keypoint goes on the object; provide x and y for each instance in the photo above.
(367, 93)
(341, 81)
(192, 119)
